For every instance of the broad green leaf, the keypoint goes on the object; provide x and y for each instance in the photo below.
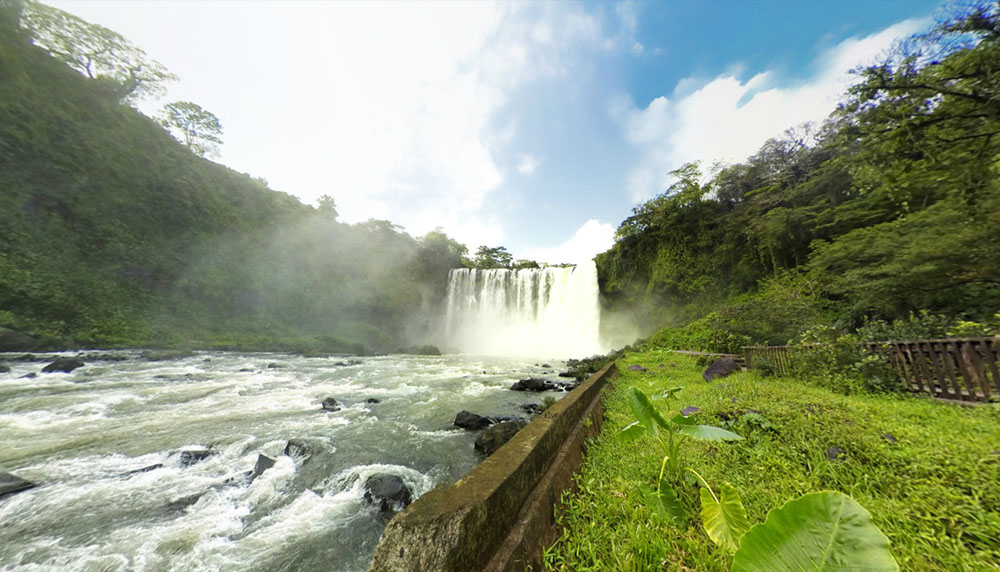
(817, 532)
(724, 520)
(708, 433)
(664, 502)
(668, 393)
(682, 420)
(646, 412)
(632, 431)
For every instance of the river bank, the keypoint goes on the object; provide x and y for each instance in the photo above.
(928, 472)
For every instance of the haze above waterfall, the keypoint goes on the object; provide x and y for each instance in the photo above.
(540, 312)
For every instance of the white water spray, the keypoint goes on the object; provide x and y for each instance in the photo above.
(540, 312)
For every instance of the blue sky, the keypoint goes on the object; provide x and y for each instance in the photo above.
(537, 126)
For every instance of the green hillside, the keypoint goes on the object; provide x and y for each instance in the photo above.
(113, 233)
(889, 209)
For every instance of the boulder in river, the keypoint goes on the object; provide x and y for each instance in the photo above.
(388, 491)
(720, 368)
(263, 463)
(63, 364)
(494, 437)
(637, 367)
(9, 484)
(298, 448)
(533, 384)
(471, 421)
(189, 458)
(164, 355)
(330, 404)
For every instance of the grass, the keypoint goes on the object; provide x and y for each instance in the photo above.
(935, 492)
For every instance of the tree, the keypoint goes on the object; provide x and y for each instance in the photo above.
(496, 257)
(199, 129)
(96, 52)
(327, 207)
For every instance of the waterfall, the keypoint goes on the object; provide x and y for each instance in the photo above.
(539, 312)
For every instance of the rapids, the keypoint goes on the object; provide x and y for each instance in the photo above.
(80, 435)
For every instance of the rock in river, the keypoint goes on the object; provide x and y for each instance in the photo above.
(63, 364)
(9, 484)
(189, 458)
(330, 404)
(533, 384)
(494, 437)
(388, 491)
(471, 421)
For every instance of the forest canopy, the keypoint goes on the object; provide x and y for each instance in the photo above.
(889, 208)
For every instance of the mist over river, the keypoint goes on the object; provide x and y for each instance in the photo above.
(83, 437)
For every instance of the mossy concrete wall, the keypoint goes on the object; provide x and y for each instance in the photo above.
(501, 515)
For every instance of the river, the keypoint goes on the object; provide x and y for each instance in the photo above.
(85, 438)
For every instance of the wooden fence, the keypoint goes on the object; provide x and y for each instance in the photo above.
(966, 369)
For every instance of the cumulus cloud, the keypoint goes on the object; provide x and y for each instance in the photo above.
(527, 164)
(591, 239)
(727, 119)
(395, 110)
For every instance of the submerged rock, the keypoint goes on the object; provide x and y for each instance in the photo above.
(330, 404)
(298, 448)
(4, 368)
(163, 355)
(373, 400)
(388, 491)
(189, 458)
(494, 437)
(720, 368)
(10, 484)
(533, 384)
(145, 469)
(63, 364)
(471, 421)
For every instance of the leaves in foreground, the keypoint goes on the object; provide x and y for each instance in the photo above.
(723, 517)
(823, 532)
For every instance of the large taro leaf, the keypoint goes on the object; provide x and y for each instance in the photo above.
(724, 519)
(632, 431)
(664, 502)
(646, 412)
(818, 532)
(708, 433)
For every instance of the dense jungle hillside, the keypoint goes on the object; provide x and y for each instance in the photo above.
(884, 218)
(114, 233)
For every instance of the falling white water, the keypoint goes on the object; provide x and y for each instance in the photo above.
(541, 312)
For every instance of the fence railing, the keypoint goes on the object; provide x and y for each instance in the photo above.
(966, 369)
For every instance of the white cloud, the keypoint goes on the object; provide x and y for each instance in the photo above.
(591, 239)
(727, 120)
(527, 164)
(392, 109)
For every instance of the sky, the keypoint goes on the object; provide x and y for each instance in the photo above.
(537, 126)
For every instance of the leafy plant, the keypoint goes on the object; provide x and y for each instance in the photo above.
(822, 531)
(649, 421)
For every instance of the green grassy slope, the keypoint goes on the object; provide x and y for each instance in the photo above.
(935, 492)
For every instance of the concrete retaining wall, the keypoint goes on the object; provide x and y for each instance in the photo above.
(500, 516)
